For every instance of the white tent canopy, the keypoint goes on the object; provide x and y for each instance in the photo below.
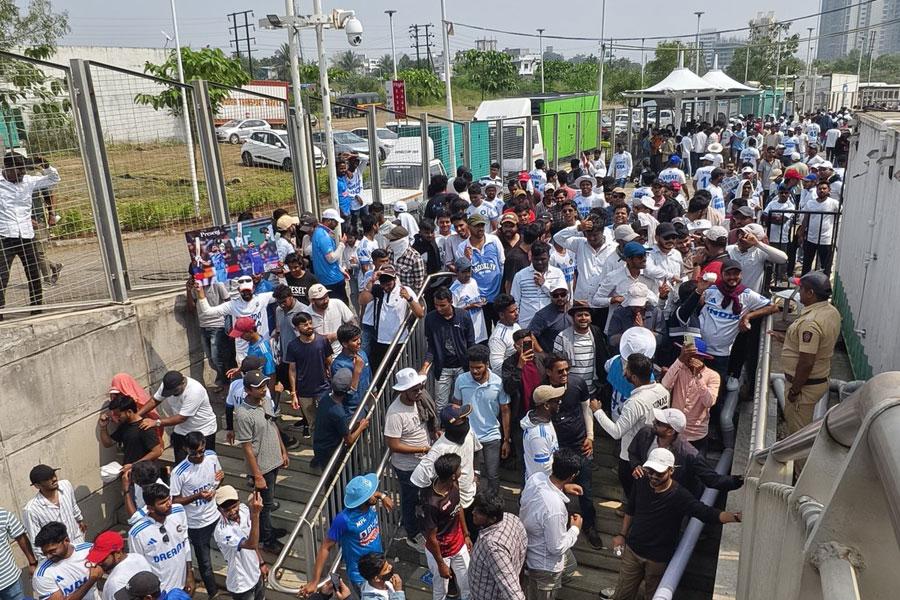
(731, 87)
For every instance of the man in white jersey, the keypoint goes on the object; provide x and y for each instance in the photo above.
(247, 304)
(193, 485)
(701, 175)
(237, 536)
(55, 501)
(63, 574)
(673, 171)
(622, 164)
(162, 538)
(108, 553)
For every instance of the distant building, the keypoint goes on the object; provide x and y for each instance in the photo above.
(486, 45)
(524, 60)
(877, 93)
(829, 91)
(852, 28)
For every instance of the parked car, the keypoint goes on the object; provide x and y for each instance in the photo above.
(271, 148)
(401, 174)
(386, 139)
(344, 141)
(238, 130)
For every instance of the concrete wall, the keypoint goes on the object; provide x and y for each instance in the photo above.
(55, 372)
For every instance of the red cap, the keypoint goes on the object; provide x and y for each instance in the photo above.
(241, 326)
(105, 544)
(676, 185)
(524, 176)
(792, 174)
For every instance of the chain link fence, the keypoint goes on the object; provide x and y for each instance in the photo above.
(38, 123)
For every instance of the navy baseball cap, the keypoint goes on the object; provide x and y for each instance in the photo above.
(634, 249)
(452, 413)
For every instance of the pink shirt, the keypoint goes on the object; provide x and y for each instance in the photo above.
(693, 395)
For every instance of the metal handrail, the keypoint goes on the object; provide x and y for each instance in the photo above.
(329, 479)
(759, 422)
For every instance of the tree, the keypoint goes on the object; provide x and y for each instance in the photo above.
(405, 62)
(39, 27)
(210, 64)
(554, 75)
(421, 85)
(769, 48)
(488, 71)
(281, 60)
(348, 61)
(386, 66)
(665, 59)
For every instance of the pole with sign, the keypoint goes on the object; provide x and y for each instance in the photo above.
(395, 94)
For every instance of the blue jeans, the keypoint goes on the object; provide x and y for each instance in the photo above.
(13, 592)
(490, 460)
(409, 498)
(200, 539)
(265, 517)
(368, 336)
(586, 500)
(211, 338)
(620, 182)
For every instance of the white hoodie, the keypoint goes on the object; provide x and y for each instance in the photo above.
(539, 443)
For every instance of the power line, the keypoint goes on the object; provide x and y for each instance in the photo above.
(236, 27)
(420, 40)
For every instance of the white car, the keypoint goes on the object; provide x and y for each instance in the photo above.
(270, 148)
(386, 139)
(238, 130)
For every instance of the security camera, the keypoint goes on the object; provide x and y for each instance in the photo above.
(354, 31)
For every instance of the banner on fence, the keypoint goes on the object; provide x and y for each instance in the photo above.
(228, 251)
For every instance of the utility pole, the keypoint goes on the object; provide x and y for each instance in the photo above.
(777, 66)
(808, 50)
(414, 33)
(600, 74)
(419, 44)
(236, 28)
(699, 13)
(188, 134)
(871, 55)
(390, 14)
(541, 37)
(445, 34)
(428, 37)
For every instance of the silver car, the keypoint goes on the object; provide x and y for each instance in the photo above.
(271, 148)
(386, 139)
(238, 130)
(344, 141)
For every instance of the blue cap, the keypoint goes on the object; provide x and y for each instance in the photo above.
(360, 489)
(700, 345)
(462, 264)
(811, 177)
(452, 413)
(634, 249)
(675, 159)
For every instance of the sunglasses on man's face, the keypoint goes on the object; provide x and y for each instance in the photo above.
(162, 530)
(559, 294)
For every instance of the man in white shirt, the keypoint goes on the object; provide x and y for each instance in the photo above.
(780, 225)
(55, 501)
(622, 164)
(702, 174)
(189, 404)
(458, 439)
(673, 171)
(817, 230)
(16, 229)
(664, 263)
(587, 240)
(539, 175)
(247, 304)
(831, 138)
(753, 255)
(162, 538)
(501, 342)
(714, 187)
(637, 412)
(612, 289)
(588, 197)
(237, 536)
(532, 285)
(551, 531)
(193, 485)
(108, 552)
(750, 154)
(64, 574)
(393, 303)
(539, 442)
(328, 314)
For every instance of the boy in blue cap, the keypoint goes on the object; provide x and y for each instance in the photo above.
(356, 529)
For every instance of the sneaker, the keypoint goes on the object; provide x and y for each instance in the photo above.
(594, 539)
(301, 422)
(417, 543)
(55, 269)
(291, 444)
(279, 532)
(272, 547)
(306, 432)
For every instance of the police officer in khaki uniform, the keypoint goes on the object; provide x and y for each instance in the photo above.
(808, 346)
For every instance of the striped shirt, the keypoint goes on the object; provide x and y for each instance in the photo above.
(64, 576)
(583, 362)
(529, 296)
(39, 511)
(12, 527)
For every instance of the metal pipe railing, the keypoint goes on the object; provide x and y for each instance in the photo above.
(761, 401)
(675, 569)
(333, 473)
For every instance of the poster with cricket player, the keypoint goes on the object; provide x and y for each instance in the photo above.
(228, 251)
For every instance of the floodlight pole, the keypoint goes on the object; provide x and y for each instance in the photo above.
(188, 135)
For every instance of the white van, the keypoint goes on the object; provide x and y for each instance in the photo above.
(513, 111)
(401, 174)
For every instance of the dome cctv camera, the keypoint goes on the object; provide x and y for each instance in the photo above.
(354, 31)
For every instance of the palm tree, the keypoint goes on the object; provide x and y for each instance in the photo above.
(282, 62)
(348, 61)
(386, 66)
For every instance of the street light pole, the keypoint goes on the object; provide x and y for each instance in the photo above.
(447, 89)
(307, 194)
(390, 14)
(541, 37)
(808, 49)
(600, 76)
(326, 105)
(188, 135)
(699, 13)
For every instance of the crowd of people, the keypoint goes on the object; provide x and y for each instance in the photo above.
(554, 308)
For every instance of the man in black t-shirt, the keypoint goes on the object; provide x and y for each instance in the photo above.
(650, 530)
(298, 279)
(137, 444)
(519, 256)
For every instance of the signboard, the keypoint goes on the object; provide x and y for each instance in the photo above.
(251, 106)
(229, 251)
(395, 93)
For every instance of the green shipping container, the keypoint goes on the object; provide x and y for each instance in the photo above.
(439, 134)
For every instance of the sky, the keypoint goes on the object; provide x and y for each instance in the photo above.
(205, 22)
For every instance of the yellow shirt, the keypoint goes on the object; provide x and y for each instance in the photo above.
(815, 331)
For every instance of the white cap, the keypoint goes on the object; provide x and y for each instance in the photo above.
(400, 207)
(625, 233)
(637, 340)
(700, 225)
(408, 378)
(333, 214)
(795, 156)
(746, 170)
(754, 228)
(672, 417)
(660, 460)
(826, 165)
(708, 157)
(716, 232)
(636, 295)
(317, 291)
(647, 202)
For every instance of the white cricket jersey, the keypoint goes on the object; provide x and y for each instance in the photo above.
(702, 177)
(122, 573)
(165, 546)
(243, 564)
(718, 325)
(64, 576)
(189, 479)
(672, 174)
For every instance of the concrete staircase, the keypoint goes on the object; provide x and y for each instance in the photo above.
(597, 570)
